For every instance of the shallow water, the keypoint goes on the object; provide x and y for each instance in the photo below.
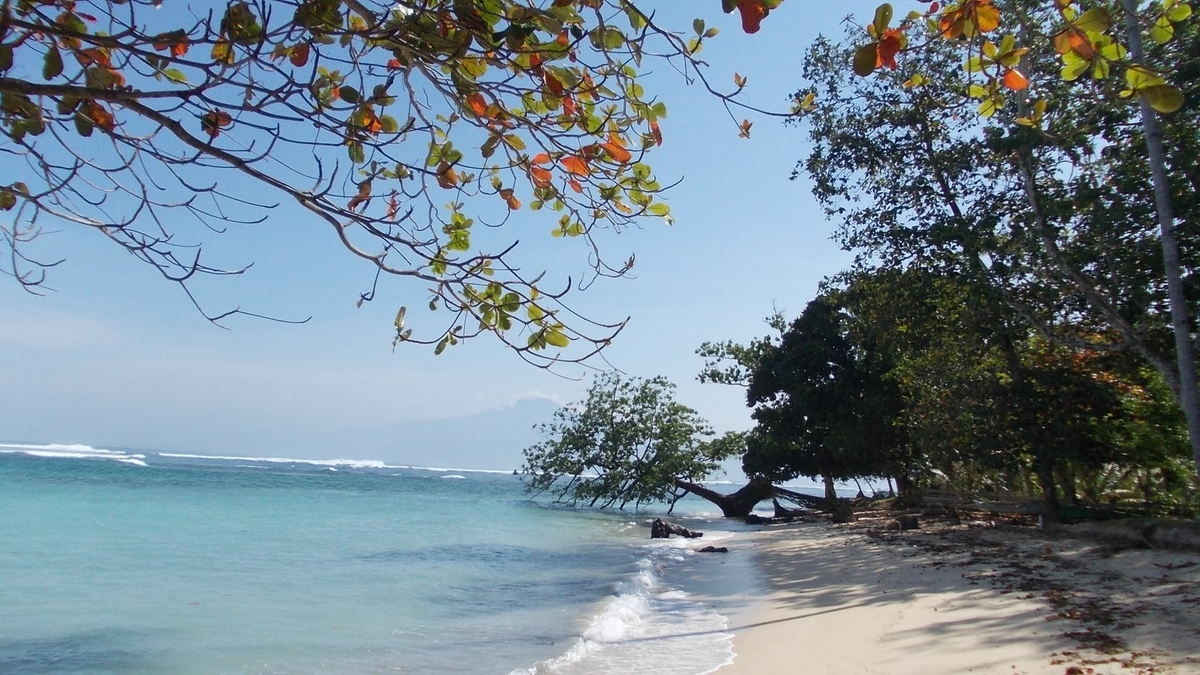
(145, 563)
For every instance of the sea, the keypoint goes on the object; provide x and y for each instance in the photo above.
(117, 561)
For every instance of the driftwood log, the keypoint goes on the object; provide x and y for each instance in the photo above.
(661, 529)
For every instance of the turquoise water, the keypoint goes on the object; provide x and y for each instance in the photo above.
(112, 562)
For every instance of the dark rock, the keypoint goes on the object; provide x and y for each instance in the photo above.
(908, 522)
(661, 529)
(714, 549)
(755, 519)
(843, 514)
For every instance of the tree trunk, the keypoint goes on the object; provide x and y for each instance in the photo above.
(738, 504)
(830, 492)
(902, 486)
(1181, 321)
(1045, 474)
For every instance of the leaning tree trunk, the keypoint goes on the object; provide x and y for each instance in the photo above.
(1181, 322)
(738, 504)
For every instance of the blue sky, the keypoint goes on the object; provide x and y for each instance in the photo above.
(115, 356)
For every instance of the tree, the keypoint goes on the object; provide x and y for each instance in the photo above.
(630, 442)
(407, 127)
(822, 406)
(1045, 200)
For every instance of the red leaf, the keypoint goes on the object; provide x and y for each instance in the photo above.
(553, 84)
(752, 12)
(393, 64)
(889, 46)
(568, 105)
(299, 55)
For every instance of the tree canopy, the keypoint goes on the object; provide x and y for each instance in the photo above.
(628, 442)
(1062, 215)
(410, 128)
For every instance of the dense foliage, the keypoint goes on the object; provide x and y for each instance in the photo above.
(628, 442)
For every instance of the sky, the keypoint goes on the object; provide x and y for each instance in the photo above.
(114, 356)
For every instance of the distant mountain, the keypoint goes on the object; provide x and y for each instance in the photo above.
(492, 439)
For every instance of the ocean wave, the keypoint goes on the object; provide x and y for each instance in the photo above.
(72, 451)
(647, 626)
(352, 463)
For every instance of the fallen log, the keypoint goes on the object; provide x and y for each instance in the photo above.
(661, 529)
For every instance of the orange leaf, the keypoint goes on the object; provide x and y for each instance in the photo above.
(393, 64)
(568, 105)
(514, 204)
(987, 17)
(393, 206)
(752, 12)
(541, 158)
(656, 132)
(213, 122)
(478, 104)
(620, 155)
(563, 38)
(99, 115)
(447, 177)
(363, 196)
(299, 55)
(180, 48)
(1013, 79)
(541, 177)
(889, 46)
(575, 165)
(370, 122)
(575, 186)
(553, 84)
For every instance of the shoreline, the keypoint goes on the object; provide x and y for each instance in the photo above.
(980, 597)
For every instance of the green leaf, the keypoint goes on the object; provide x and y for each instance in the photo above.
(558, 339)
(1074, 69)
(8, 199)
(175, 75)
(883, 17)
(1095, 20)
(1165, 98)
(52, 65)
(6, 57)
(83, 125)
(658, 209)
(389, 124)
(1179, 12)
(865, 59)
(1162, 32)
(349, 94)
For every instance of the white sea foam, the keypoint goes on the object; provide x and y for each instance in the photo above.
(72, 451)
(453, 475)
(352, 463)
(647, 626)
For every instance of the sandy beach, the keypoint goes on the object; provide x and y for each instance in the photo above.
(975, 597)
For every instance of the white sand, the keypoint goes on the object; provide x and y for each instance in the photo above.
(858, 599)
